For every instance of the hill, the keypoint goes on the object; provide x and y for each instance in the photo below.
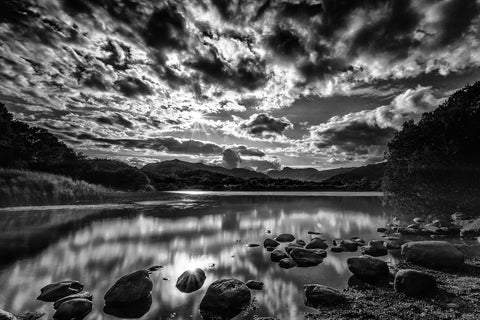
(367, 177)
(306, 174)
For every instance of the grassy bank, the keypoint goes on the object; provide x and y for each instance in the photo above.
(18, 187)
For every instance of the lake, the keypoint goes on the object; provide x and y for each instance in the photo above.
(97, 244)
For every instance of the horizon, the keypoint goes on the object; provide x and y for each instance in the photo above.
(240, 84)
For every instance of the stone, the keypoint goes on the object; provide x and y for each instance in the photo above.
(441, 223)
(252, 245)
(291, 246)
(301, 243)
(5, 315)
(314, 232)
(131, 310)
(317, 243)
(382, 230)
(191, 280)
(270, 249)
(471, 229)
(348, 245)
(224, 299)
(460, 216)
(469, 251)
(306, 257)
(337, 249)
(393, 243)
(358, 240)
(83, 295)
(317, 296)
(254, 285)
(287, 263)
(374, 251)
(367, 268)
(432, 254)
(414, 283)
(270, 243)
(73, 309)
(131, 287)
(277, 255)
(419, 220)
(55, 291)
(285, 238)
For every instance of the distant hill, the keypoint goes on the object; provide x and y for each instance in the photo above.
(367, 177)
(306, 174)
(176, 167)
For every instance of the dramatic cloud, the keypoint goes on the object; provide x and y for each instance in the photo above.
(231, 159)
(263, 124)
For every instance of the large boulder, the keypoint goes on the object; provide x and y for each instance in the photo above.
(317, 296)
(270, 243)
(433, 254)
(347, 245)
(131, 310)
(55, 291)
(277, 255)
(375, 250)
(285, 238)
(469, 251)
(73, 309)
(471, 229)
(225, 299)
(83, 295)
(367, 268)
(306, 257)
(317, 243)
(287, 263)
(414, 283)
(191, 280)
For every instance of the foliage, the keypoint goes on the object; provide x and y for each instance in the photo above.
(435, 165)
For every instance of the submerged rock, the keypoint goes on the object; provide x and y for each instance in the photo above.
(83, 295)
(131, 310)
(270, 243)
(308, 258)
(367, 268)
(471, 229)
(314, 232)
(317, 296)
(414, 283)
(285, 238)
(433, 254)
(254, 285)
(55, 291)
(277, 255)
(73, 309)
(191, 280)
(225, 299)
(287, 263)
(131, 287)
(317, 243)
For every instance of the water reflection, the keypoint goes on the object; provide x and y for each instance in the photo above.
(98, 246)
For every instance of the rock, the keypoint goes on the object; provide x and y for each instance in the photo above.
(431, 229)
(131, 310)
(393, 243)
(471, 229)
(367, 268)
(347, 245)
(270, 243)
(382, 230)
(254, 285)
(83, 295)
(292, 246)
(191, 280)
(412, 231)
(317, 296)
(460, 216)
(432, 254)
(225, 299)
(306, 257)
(287, 263)
(314, 232)
(414, 283)
(252, 245)
(270, 249)
(5, 315)
(73, 309)
(413, 226)
(469, 251)
(285, 238)
(277, 255)
(418, 220)
(441, 223)
(301, 243)
(34, 315)
(317, 243)
(55, 291)
(131, 287)
(358, 240)
(374, 251)
(337, 249)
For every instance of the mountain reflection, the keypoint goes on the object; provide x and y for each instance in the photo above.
(97, 247)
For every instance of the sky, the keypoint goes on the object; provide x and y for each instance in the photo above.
(241, 83)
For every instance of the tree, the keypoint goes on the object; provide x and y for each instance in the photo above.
(434, 166)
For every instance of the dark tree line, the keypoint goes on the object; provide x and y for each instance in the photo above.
(434, 166)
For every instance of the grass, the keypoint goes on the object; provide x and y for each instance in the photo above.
(23, 188)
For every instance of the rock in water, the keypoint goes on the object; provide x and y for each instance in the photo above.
(131, 287)
(225, 299)
(317, 243)
(285, 238)
(375, 248)
(83, 295)
(287, 263)
(414, 283)
(191, 280)
(317, 296)
(300, 242)
(292, 246)
(348, 245)
(433, 254)
(58, 290)
(367, 268)
(132, 310)
(270, 243)
(277, 255)
(471, 229)
(73, 309)
(254, 285)
(5, 315)
(306, 257)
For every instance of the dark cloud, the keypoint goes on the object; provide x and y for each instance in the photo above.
(300, 10)
(166, 28)
(457, 17)
(260, 124)
(244, 151)
(231, 159)
(96, 80)
(131, 86)
(116, 119)
(285, 42)
(355, 137)
(119, 55)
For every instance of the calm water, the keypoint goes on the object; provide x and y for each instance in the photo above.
(98, 244)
